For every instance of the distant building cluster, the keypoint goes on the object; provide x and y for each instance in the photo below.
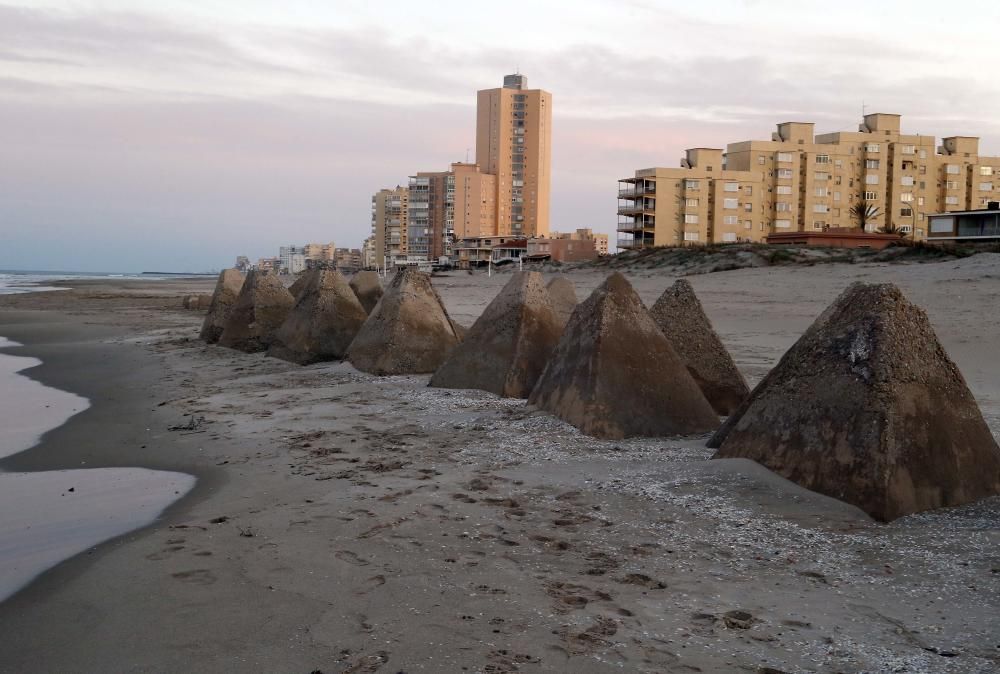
(474, 212)
(296, 259)
(876, 179)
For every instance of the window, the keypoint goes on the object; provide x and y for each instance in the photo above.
(691, 203)
(906, 181)
(748, 190)
(785, 156)
(906, 212)
(871, 163)
(985, 187)
(730, 203)
(782, 224)
(732, 187)
(923, 154)
(985, 170)
(731, 220)
(748, 224)
(822, 191)
(747, 207)
(690, 236)
(783, 207)
(871, 196)
(729, 237)
(760, 159)
(908, 149)
(836, 196)
(821, 208)
(784, 189)
(951, 185)
(690, 219)
(822, 159)
(871, 147)
(906, 197)
(951, 201)
(784, 173)
(952, 169)
(690, 184)
(819, 224)
(822, 176)
(838, 163)
(923, 170)
(920, 201)
(871, 179)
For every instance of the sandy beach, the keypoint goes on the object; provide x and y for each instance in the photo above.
(347, 523)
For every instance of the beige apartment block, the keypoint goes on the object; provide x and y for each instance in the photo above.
(514, 143)
(448, 205)
(799, 181)
(368, 253)
(390, 212)
(701, 202)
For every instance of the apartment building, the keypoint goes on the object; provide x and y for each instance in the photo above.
(701, 201)
(514, 143)
(799, 181)
(583, 244)
(446, 206)
(390, 216)
(368, 253)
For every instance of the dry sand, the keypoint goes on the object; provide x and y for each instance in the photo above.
(349, 523)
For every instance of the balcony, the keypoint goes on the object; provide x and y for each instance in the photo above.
(637, 209)
(637, 191)
(635, 242)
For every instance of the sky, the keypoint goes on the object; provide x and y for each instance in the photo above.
(173, 135)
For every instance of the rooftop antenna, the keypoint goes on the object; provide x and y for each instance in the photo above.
(466, 155)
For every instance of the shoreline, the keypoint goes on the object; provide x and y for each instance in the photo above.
(76, 443)
(348, 523)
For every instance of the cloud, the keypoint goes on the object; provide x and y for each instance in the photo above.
(199, 140)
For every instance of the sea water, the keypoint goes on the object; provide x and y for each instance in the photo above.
(50, 516)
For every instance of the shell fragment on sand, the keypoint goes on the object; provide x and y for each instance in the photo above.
(408, 332)
(261, 308)
(227, 289)
(615, 375)
(509, 345)
(682, 319)
(368, 287)
(325, 320)
(868, 408)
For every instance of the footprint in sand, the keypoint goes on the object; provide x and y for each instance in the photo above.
(351, 558)
(164, 553)
(196, 576)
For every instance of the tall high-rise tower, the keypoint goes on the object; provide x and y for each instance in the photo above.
(514, 143)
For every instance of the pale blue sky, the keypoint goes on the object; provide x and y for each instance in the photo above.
(177, 134)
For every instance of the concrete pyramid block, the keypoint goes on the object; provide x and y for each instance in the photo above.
(408, 332)
(227, 289)
(615, 375)
(562, 295)
(509, 345)
(683, 320)
(368, 287)
(325, 320)
(260, 309)
(298, 285)
(868, 408)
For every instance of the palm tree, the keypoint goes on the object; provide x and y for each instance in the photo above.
(864, 212)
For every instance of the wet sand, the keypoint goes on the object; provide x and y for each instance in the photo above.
(345, 523)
